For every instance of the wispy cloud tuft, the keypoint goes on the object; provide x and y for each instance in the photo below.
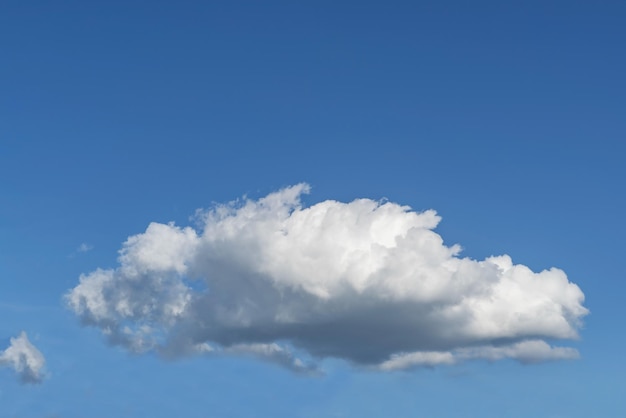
(366, 281)
(81, 249)
(25, 359)
(527, 352)
(84, 247)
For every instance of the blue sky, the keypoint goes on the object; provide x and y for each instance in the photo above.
(507, 118)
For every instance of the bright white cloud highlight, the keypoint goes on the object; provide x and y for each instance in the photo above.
(366, 281)
(24, 358)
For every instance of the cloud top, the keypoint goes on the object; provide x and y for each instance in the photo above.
(24, 358)
(366, 281)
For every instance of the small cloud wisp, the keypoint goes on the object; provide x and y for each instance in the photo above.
(25, 359)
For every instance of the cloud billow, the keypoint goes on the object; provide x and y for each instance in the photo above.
(366, 281)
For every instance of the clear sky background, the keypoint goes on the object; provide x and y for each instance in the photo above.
(507, 118)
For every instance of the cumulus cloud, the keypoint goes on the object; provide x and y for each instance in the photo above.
(365, 281)
(24, 358)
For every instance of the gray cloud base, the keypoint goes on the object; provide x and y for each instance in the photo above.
(366, 281)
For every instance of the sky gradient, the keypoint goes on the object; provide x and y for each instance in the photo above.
(507, 119)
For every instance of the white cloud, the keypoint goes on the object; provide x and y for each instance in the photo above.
(24, 358)
(417, 359)
(84, 247)
(529, 351)
(366, 281)
(81, 249)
